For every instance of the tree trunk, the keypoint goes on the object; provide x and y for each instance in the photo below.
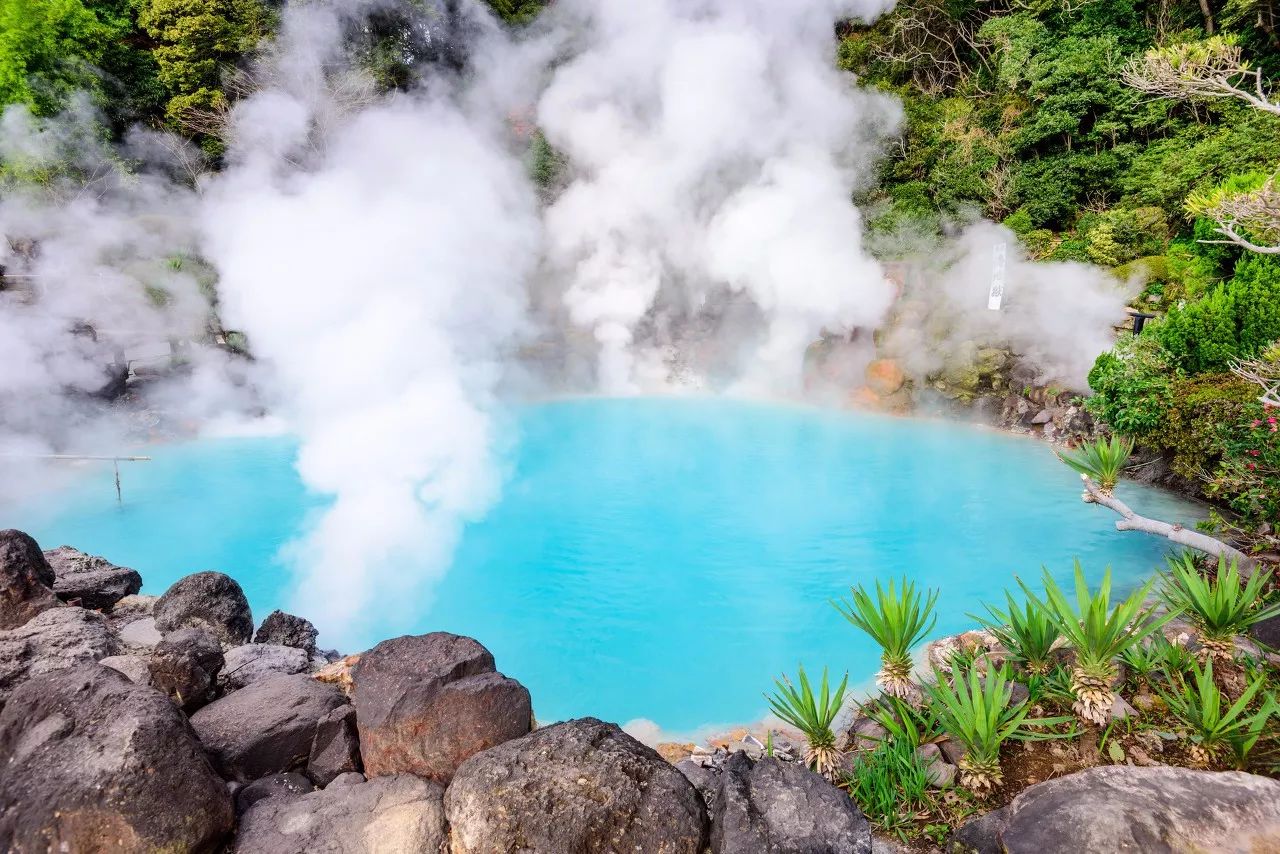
(1207, 12)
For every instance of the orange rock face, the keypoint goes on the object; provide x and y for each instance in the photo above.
(884, 376)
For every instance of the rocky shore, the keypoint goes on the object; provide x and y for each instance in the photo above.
(172, 723)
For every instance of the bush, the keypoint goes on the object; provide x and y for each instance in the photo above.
(1133, 386)
(1200, 409)
(1234, 321)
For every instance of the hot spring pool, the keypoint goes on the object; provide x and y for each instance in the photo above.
(658, 559)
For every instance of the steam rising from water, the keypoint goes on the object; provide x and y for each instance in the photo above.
(388, 256)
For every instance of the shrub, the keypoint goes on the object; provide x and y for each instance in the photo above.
(1132, 385)
(1234, 321)
(1201, 409)
(1102, 461)
(1027, 632)
(1248, 474)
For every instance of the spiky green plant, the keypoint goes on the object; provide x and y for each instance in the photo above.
(1220, 607)
(904, 722)
(889, 784)
(1099, 634)
(1027, 632)
(812, 713)
(897, 619)
(975, 710)
(1102, 461)
(1216, 727)
(1144, 660)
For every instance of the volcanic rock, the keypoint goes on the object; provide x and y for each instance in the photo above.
(88, 580)
(206, 600)
(26, 580)
(252, 661)
(287, 630)
(138, 636)
(54, 639)
(137, 668)
(185, 666)
(289, 785)
(336, 747)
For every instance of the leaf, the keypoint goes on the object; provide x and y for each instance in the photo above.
(1116, 752)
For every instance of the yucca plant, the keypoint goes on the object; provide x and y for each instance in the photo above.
(1144, 660)
(1102, 461)
(897, 619)
(974, 709)
(1216, 727)
(1220, 607)
(905, 722)
(812, 714)
(1099, 633)
(1027, 632)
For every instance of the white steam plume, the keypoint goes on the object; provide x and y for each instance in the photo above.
(375, 256)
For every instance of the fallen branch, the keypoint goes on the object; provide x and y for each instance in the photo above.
(1189, 537)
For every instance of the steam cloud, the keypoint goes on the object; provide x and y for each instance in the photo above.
(389, 259)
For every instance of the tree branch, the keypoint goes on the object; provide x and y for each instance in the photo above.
(1192, 539)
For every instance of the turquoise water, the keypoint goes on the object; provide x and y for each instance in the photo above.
(655, 558)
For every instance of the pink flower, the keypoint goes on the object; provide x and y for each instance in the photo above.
(1251, 466)
(1255, 453)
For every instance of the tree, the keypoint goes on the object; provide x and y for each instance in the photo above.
(48, 49)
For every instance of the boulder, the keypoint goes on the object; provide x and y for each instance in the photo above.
(287, 630)
(137, 605)
(289, 785)
(93, 762)
(253, 661)
(137, 668)
(267, 727)
(1153, 810)
(400, 813)
(26, 580)
(425, 703)
(185, 666)
(350, 778)
(583, 786)
(336, 747)
(338, 673)
(57, 638)
(783, 808)
(139, 636)
(704, 779)
(206, 600)
(90, 581)
(1267, 632)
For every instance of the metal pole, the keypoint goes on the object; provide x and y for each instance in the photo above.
(119, 499)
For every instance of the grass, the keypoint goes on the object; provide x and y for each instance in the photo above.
(891, 785)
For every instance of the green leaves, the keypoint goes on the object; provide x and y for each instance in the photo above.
(1103, 460)
(1027, 632)
(1098, 632)
(809, 711)
(897, 618)
(1221, 607)
(1200, 705)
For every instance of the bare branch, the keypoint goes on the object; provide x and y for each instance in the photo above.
(1213, 68)
(1263, 373)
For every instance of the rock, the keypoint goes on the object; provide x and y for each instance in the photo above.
(339, 673)
(952, 751)
(400, 813)
(185, 667)
(93, 762)
(1044, 416)
(335, 750)
(979, 835)
(54, 639)
(140, 636)
(772, 806)
(1152, 810)
(427, 702)
(135, 667)
(581, 785)
(866, 734)
(206, 600)
(1267, 632)
(26, 580)
(287, 630)
(252, 661)
(704, 779)
(885, 376)
(138, 605)
(266, 727)
(90, 581)
(350, 778)
(1120, 709)
(287, 785)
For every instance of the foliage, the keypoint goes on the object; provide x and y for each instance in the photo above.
(812, 713)
(915, 725)
(1216, 726)
(1132, 385)
(1235, 321)
(889, 784)
(1027, 632)
(1248, 475)
(517, 11)
(1102, 460)
(897, 619)
(975, 710)
(1203, 411)
(1221, 607)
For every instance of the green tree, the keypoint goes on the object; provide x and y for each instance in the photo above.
(48, 49)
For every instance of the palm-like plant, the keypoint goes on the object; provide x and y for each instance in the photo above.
(1099, 633)
(976, 712)
(812, 714)
(897, 619)
(1103, 461)
(905, 722)
(1214, 726)
(1220, 607)
(1027, 633)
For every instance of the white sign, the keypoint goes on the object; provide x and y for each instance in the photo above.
(997, 276)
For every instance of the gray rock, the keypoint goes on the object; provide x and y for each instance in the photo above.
(783, 808)
(90, 581)
(139, 636)
(26, 580)
(287, 630)
(137, 605)
(425, 703)
(399, 813)
(336, 747)
(1267, 632)
(135, 667)
(979, 835)
(1152, 810)
(252, 661)
(267, 727)
(582, 785)
(54, 639)
(185, 667)
(866, 734)
(93, 762)
(350, 778)
(704, 779)
(289, 785)
(206, 600)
